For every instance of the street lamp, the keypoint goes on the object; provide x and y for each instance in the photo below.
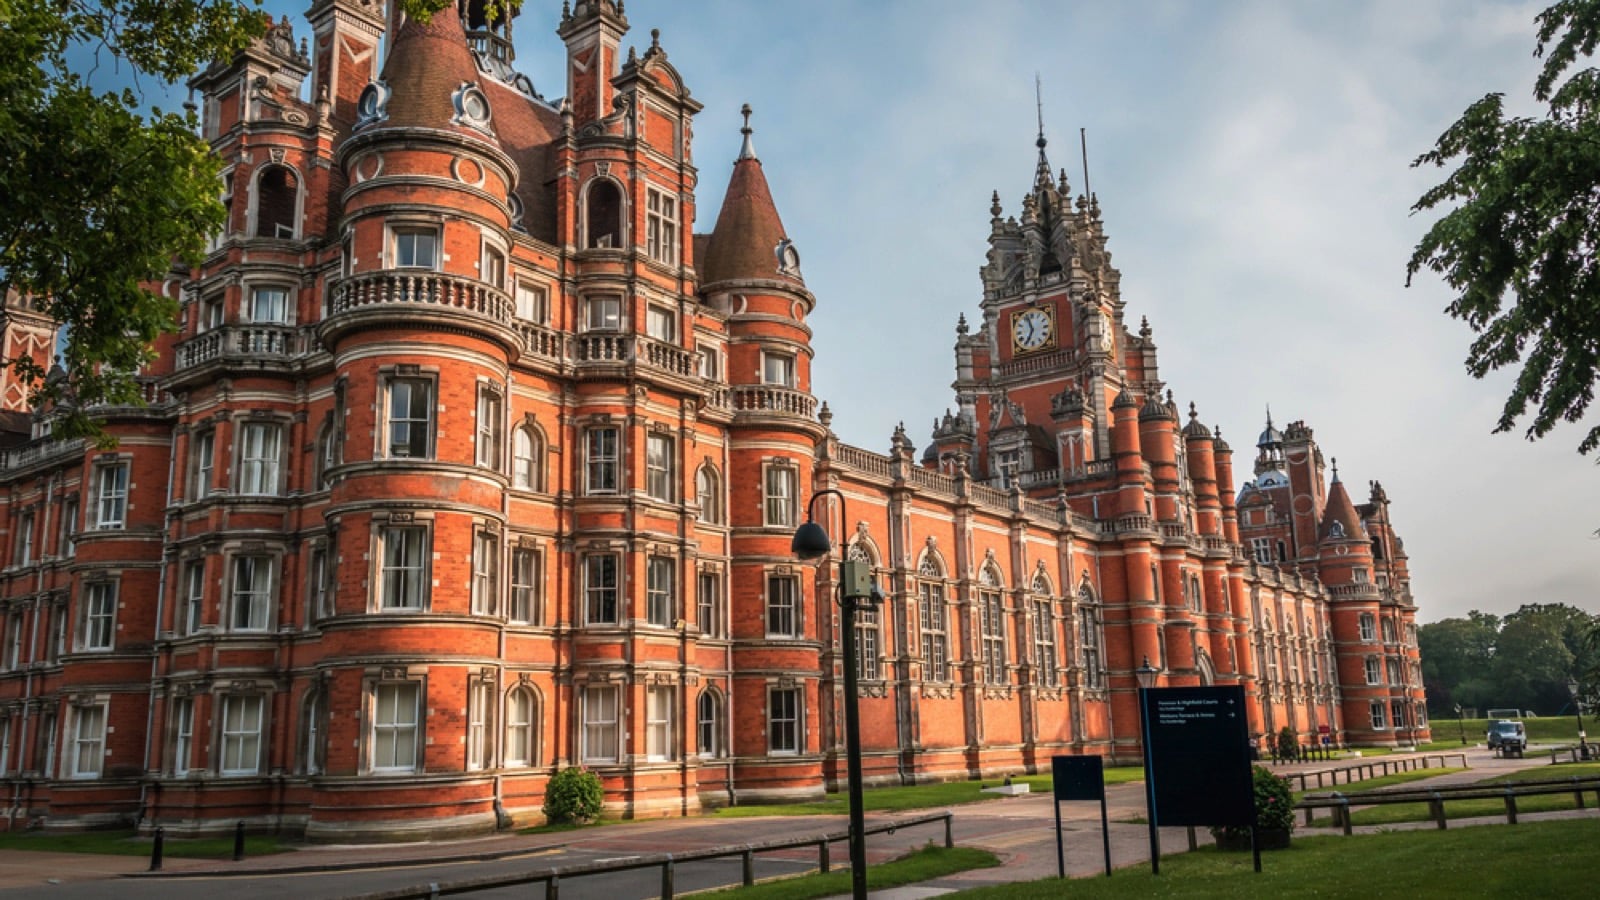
(855, 587)
(1460, 727)
(1577, 703)
(1147, 675)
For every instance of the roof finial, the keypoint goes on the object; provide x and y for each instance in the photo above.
(1041, 177)
(1269, 415)
(748, 151)
(1335, 462)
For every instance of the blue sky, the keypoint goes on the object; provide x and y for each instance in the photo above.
(1252, 161)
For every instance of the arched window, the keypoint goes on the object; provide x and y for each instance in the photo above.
(1091, 639)
(868, 663)
(708, 494)
(527, 459)
(277, 203)
(313, 732)
(708, 725)
(992, 618)
(603, 215)
(933, 617)
(522, 728)
(1046, 671)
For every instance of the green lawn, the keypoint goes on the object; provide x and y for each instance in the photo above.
(928, 863)
(1544, 859)
(126, 843)
(919, 796)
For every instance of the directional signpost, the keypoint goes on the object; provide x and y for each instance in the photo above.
(1197, 760)
(1079, 778)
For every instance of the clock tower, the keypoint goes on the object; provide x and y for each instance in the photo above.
(1036, 382)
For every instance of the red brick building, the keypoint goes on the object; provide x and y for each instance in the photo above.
(471, 461)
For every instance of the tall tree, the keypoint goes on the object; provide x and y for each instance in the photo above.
(99, 196)
(1519, 242)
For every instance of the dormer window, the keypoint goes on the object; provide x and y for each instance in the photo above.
(373, 105)
(472, 107)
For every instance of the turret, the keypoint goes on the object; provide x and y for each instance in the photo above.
(592, 30)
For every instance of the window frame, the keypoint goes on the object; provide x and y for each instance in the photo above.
(708, 495)
(790, 719)
(602, 469)
(597, 593)
(779, 369)
(660, 723)
(386, 727)
(526, 596)
(233, 738)
(933, 621)
(602, 313)
(600, 732)
(528, 728)
(708, 728)
(780, 494)
(402, 235)
(112, 487)
(992, 633)
(387, 535)
(203, 463)
(708, 602)
(284, 300)
(102, 594)
(661, 591)
(783, 606)
(260, 454)
(182, 735)
(84, 740)
(250, 608)
(486, 564)
(661, 226)
(489, 427)
(660, 467)
(426, 421)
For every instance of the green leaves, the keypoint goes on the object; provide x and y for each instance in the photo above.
(1521, 228)
(97, 198)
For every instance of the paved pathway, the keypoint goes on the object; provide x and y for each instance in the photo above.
(1018, 829)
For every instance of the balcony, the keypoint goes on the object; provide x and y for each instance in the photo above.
(250, 344)
(390, 298)
(613, 355)
(768, 398)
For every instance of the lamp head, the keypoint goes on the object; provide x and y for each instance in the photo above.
(1146, 674)
(810, 542)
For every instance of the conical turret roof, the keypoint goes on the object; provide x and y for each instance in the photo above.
(749, 241)
(1339, 519)
(427, 72)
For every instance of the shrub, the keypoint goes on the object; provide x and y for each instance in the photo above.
(1274, 806)
(573, 795)
(1288, 743)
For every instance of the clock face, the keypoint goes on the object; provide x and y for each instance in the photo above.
(1032, 330)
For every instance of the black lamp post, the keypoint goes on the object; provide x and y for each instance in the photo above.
(1147, 675)
(855, 587)
(1460, 727)
(1576, 689)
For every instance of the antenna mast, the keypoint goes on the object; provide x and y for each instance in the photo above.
(1083, 142)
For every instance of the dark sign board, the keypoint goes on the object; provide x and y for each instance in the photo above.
(1197, 755)
(1078, 777)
